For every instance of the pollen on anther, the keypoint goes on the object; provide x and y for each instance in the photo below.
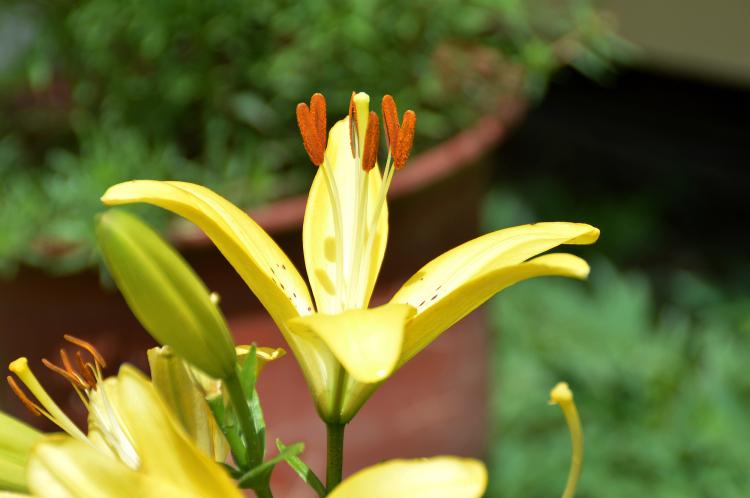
(390, 121)
(318, 110)
(372, 138)
(310, 138)
(405, 139)
(353, 125)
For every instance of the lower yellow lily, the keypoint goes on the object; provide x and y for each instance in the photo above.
(166, 463)
(345, 349)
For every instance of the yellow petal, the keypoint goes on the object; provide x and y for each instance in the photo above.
(164, 449)
(319, 234)
(439, 477)
(256, 257)
(260, 262)
(455, 283)
(433, 320)
(62, 467)
(366, 342)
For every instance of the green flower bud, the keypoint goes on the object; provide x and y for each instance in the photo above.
(164, 293)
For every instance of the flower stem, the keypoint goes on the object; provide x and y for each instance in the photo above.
(335, 454)
(263, 491)
(249, 431)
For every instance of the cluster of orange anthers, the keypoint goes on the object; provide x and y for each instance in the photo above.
(83, 376)
(400, 136)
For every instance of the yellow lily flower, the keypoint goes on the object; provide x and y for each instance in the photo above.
(135, 447)
(439, 477)
(345, 348)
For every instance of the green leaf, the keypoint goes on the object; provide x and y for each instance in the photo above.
(261, 471)
(227, 421)
(303, 471)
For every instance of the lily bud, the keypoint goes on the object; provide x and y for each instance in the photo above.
(180, 391)
(164, 293)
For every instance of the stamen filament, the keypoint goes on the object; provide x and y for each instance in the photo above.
(562, 395)
(20, 367)
(382, 194)
(361, 240)
(337, 224)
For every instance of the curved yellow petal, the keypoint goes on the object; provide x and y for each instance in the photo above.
(260, 262)
(62, 467)
(319, 233)
(425, 327)
(439, 477)
(164, 450)
(366, 342)
(252, 252)
(455, 283)
(433, 320)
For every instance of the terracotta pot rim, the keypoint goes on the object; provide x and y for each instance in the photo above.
(429, 167)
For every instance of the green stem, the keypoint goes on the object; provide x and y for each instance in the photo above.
(263, 491)
(335, 455)
(249, 431)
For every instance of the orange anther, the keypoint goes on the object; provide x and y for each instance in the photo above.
(88, 347)
(405, 139)
(372, 138)
(318, 110)
(390, 120)
(66, 361)
(69, 376)
(309, 134)
(89, 379)
(30, 405)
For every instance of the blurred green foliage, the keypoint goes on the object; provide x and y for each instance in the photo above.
(97, 91)
(660, 380)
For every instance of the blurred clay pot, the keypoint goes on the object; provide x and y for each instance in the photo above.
(436, 404)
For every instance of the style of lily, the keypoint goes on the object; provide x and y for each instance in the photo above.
(346, 349)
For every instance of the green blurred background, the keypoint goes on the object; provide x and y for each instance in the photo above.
(647, 140)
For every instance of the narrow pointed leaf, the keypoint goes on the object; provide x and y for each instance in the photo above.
(302, 470)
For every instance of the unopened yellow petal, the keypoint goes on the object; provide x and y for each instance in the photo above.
(440, 477)
(433, 320)
(455, 283)
(366, 342)
(319, 233)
